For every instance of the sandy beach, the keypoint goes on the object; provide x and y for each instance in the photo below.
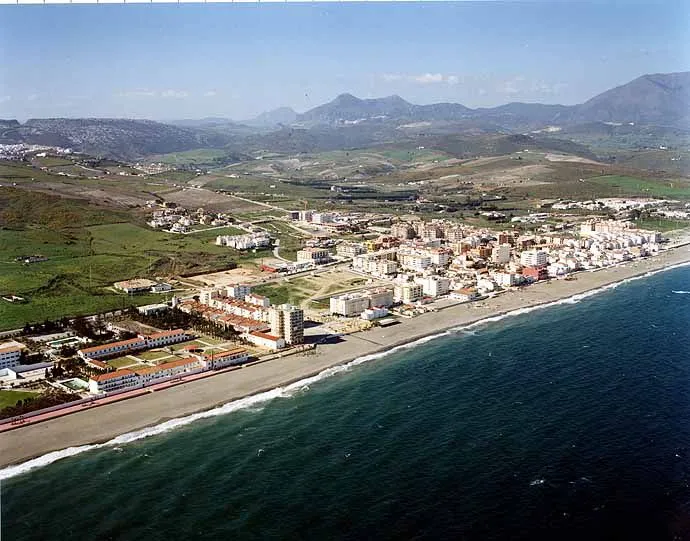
(106, 422)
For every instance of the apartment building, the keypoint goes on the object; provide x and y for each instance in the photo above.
(287, 321)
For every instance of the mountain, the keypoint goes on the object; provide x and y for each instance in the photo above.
(347, 108)
(122, 139)
(661, 99)
(276, 117)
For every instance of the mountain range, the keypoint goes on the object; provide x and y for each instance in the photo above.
(658, 100)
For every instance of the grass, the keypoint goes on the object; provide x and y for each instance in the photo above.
(280, 294)
(199, 155)
(651, 188)
(153, 355)
(85, 261)
(211, 341)
(661, 225)
(10, 398)
(121, 362)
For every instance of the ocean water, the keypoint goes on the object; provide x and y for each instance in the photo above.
(568, 422)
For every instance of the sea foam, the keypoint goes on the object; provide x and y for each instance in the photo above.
(291, 389)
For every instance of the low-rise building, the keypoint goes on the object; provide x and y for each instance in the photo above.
(112, 349)
(132, 287)
(313, 255)
(113, 381)
(165, 338)
(226, 358)
(151, 374)
(265, 340)
(10, 354)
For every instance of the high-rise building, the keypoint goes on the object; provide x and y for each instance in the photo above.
(534, 258)
(287, 321)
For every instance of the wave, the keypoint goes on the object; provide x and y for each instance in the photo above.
(681, 292)
(289, 390)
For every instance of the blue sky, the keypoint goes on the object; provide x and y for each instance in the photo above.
(166, 61)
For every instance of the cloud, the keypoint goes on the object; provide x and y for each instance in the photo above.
(174, 94)
(519, 84)
(32, 97)
(137, 94)
(210, 93)
(423, 78)
(3, 99)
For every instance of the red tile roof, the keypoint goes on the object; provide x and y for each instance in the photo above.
(111, 375)
(166, 366)
(174, 332)
(129, 342)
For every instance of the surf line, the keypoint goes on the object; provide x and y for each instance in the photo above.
(290, 389)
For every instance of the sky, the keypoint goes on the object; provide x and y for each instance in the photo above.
(175, 61)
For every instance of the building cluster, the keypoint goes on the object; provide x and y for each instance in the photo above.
(335, 221)
(259, 239)
(251, 315)
(180, 220)
(140, 343)
(23, 150)
(142, 285)
(427, 260)
(129, 379)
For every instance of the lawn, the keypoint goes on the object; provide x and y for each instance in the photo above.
(209, 340)
(153, 355)
(121, 362)
(10, 398)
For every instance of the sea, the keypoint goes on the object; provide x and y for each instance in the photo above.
(571, 421)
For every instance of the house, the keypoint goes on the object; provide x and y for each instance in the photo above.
(113, 348)
(265, 340)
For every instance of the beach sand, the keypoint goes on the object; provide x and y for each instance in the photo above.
(106, 422)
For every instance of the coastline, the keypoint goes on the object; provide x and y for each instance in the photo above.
(264, 381)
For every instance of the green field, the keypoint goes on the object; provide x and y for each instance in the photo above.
(281, 293)
(121, 362)
(85, 257)
(152, 355)
(10, 398)
(662, 225)
(652, 188)
(199, 155)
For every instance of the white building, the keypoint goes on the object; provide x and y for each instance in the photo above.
(408, 293)
(113, 381)
(165, 338)
(287, 321)
(113, 348)
(534, 258)
(10, 353)
(226, 358)
(352, 304)
(371, 314)
(501, 254)
(265, 340)
(350, 249)
(238, 291)
(313, 255)
(152, 374)
(434, 286)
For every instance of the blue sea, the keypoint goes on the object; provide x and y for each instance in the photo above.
(567, 422)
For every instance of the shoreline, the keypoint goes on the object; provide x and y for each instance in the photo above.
(161, 411)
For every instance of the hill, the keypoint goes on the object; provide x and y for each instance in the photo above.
(662, 99)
